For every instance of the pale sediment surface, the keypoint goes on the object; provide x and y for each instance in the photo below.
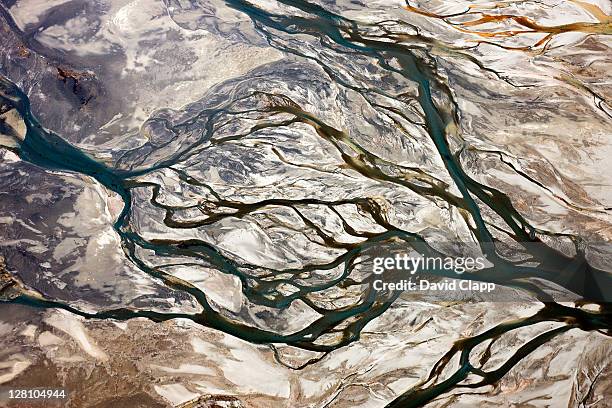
(187, 188)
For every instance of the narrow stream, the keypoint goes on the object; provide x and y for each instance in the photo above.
(50, 151)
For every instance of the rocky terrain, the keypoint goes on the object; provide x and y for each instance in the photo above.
(192, 191)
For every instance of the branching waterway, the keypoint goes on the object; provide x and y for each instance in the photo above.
(407, 89)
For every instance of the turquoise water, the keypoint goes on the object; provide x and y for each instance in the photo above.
(50, 151)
